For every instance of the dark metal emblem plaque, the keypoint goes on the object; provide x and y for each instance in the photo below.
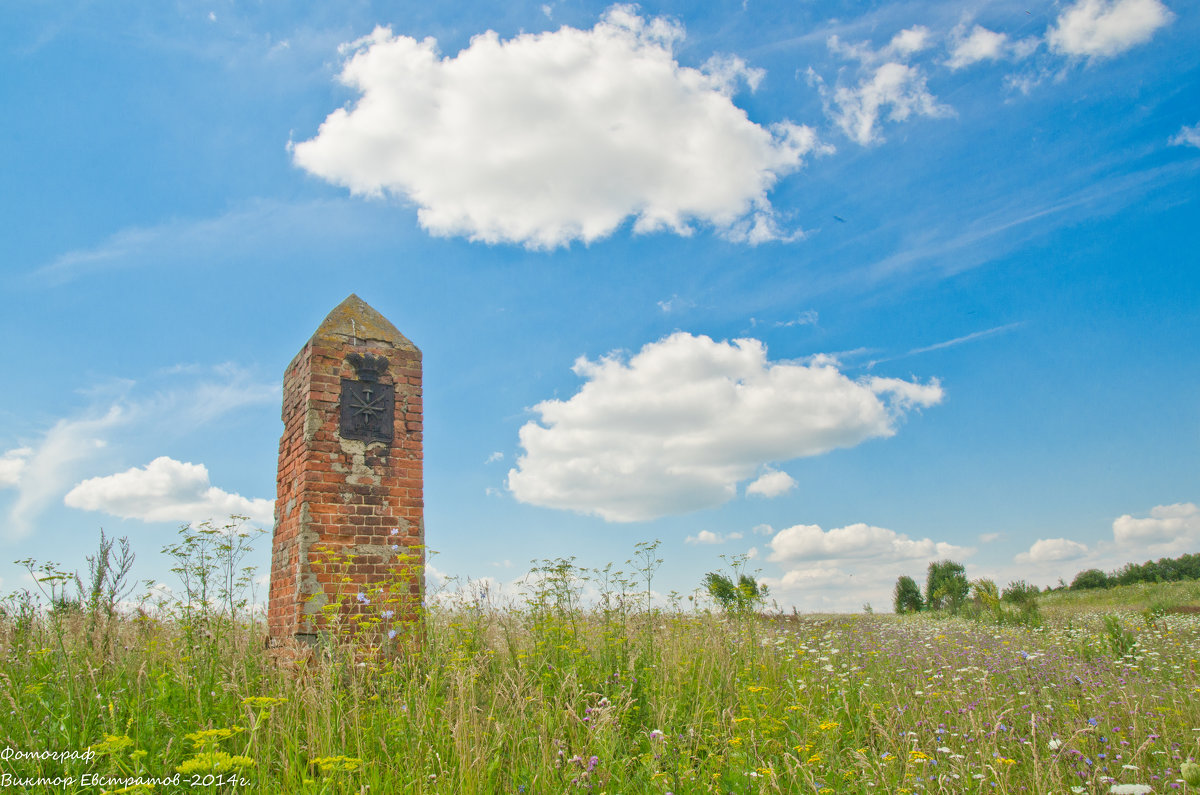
(368, 408)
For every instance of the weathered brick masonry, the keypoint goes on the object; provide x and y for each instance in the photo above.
(349, 506)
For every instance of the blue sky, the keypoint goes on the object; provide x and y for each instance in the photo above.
(846, 288)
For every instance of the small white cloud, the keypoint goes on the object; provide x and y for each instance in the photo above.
(810, 542)
(674, 304)
(709, 537)
(806, 318)
(550, 138)
(1100, 28)
(1168, 528)
(987, 538)
(676, 427)
(771, 484)
(1048, 550)
(12, 464)
(909, 41)
(763, 530)
(888, 87)
(494, 457)
(981, 45)
(752, 553)
(165, 490)
(1187, 136)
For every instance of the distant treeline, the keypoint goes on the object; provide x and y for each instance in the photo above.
(1184, 567)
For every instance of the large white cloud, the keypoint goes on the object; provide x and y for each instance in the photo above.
(165, 490)
(677, 426)
(1169, 529)
(548, 138)
(1100, 28)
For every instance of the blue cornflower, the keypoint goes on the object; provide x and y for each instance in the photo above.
(362, 598)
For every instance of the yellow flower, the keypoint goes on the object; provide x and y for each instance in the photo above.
(262, 702)
(214, 762)
(207, 737)
(337, 764)
(112, 744)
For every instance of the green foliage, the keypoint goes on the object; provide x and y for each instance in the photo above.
(946, 586)
(1120, 640)
(906, 597)
(743, 596)
(1184, 567)
(563, 695)
(1019, 592)
(1091, 578)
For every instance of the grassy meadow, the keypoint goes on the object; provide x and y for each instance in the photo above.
(1098, 692)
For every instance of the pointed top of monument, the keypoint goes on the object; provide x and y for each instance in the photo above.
(354, 318)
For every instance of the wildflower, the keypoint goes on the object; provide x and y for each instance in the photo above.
(214, 762)
(262, 702)
(337, 764)
(207, 737)
(396, 530)
(362, 598)
(388, 613)
(655, 734)
(391, 634)
(1130, 789)
(112, 744)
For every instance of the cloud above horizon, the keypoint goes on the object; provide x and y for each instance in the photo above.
(166, 490)
(841, 568)
(1049, 550)
(677, 426)
(166, 404)
(1169, 529)
(555, 137)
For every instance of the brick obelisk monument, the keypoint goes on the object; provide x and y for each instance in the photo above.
(347, 556)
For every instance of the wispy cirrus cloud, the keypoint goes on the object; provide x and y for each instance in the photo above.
(50, 462)
(1187, 136)
(950, 343)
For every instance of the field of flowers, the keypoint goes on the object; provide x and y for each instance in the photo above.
(549, 697)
